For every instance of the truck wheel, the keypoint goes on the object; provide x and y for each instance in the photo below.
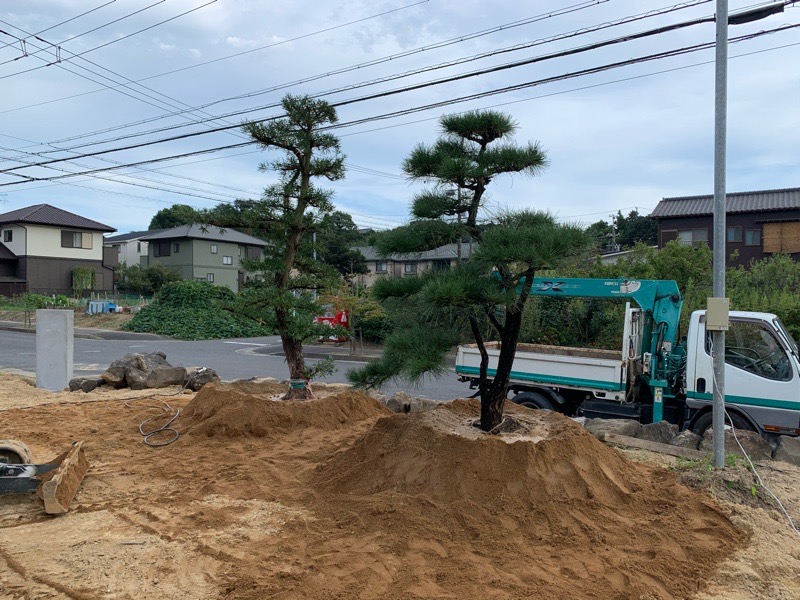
(704, 422)
(533, 400)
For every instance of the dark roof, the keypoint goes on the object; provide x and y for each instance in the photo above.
(211, 233)
(44, 214)
(448, 251)
(6, 254)
(133, 235)
(739, 202)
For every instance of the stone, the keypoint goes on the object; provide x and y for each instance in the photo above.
(757, 447)
(788, 450)
(85, 384)
(686, 439)
(599, 427)
(661, 432)
(197, 377)
(143, 371)
(401, 402)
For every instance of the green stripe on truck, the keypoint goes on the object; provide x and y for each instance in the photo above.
(548, 379)
(748, 401)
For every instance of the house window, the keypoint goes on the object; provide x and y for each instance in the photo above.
(160, 248)
(240, 250)
(734, 235)
(8, 235)
(441, 265)
(214, 249)
(752, 237)
(139, 247)
(410, 268)
(227, 260)
(380, 267)
(693, 237)
(210, 277)
(782, 237)
(76, 239)
(176, 247)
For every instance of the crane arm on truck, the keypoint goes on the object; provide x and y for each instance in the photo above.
(661, 303)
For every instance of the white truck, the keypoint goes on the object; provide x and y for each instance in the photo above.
(656, 375)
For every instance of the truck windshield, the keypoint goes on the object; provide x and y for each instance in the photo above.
(780, 327)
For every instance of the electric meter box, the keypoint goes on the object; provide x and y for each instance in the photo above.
(717, 314)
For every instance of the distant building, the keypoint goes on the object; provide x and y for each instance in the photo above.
(41, 246)
(758, 223)
(203, 253)
(130, 247)
(409, 265)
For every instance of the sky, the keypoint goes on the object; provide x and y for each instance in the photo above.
(155, 91)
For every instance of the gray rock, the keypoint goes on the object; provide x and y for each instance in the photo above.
(85, 384)
(197, 377)
(661, 432)
(401, 402)
(757, 448)
(686, 439)
(788, 450)
(598, 427)
(142, 371)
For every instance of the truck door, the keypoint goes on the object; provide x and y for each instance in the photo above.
(761, 375)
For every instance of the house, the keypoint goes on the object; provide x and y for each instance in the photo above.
(129, 246)
(203, 252)
(41, 246)
(409, 265)
(758, 223)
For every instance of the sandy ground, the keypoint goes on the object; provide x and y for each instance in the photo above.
(338, 498)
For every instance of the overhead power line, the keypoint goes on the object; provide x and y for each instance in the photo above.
(602, 68)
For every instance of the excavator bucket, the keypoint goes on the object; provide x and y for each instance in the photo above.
(59, 486)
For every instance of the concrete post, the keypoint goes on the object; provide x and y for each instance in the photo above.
(54, 348)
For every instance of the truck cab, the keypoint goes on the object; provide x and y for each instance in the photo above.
(762, 374)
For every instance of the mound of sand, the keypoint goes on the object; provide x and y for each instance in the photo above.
(564, 513)
(255, 409)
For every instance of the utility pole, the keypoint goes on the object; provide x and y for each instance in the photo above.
(720, 230)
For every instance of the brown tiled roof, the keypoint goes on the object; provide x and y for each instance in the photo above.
(44, 214)
(740, 202)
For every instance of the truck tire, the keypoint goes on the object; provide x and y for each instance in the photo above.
(704, 422)
(533, 400)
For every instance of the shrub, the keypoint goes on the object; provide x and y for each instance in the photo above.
(195, 310)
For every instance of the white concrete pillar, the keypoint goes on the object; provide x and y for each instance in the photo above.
(54, 348)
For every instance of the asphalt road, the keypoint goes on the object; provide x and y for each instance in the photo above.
(232, 359)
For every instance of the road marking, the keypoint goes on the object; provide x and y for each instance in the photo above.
(92, 351)
(251, 343)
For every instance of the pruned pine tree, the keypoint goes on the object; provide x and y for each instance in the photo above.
(290, 210)
(486, 295)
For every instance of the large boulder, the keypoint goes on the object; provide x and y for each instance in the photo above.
(686, 439)
(143, 371)
(756, 447)
(661, 432)
(788, 450)
(401, 402)
(197, 377)
(599, 427)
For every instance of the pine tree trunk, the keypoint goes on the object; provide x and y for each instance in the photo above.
(293, 350)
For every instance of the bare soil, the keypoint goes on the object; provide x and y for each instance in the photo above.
(339, 498)
(114, 321)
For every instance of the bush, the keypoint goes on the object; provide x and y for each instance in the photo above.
(195, 310)
(148, 280)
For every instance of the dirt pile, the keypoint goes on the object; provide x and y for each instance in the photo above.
(552, 506)
(255, 409)
(336, 498)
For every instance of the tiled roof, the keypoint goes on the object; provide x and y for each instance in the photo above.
(44, 214)
(133, 235)
(211, 233)
(448, 251)
(740, 202)
(6, 254)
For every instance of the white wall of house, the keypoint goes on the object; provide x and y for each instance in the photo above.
(131, 251)
(46, 241)
(17, 243)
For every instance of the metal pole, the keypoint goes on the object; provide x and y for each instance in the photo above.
(720, 237)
